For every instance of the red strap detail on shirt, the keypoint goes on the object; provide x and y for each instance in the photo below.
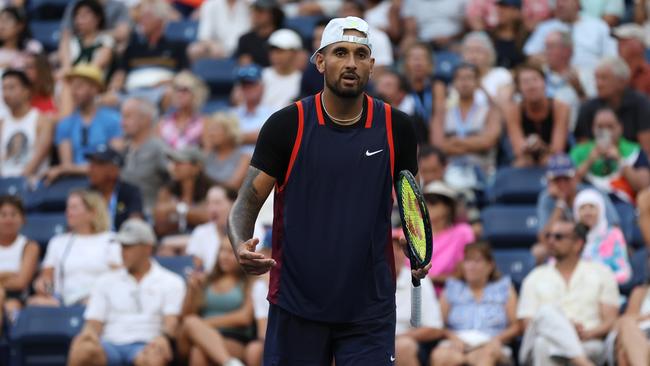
(296, 144)
(370, 110)
(319, 109)
(389, 134)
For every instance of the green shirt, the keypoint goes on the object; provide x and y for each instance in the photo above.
(601, 167)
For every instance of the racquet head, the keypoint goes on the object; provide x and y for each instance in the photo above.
(415, 220)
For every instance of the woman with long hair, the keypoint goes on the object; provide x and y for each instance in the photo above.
(39, 72)
(76, 259)
(218, 314)
(225, 162)
(15, 40)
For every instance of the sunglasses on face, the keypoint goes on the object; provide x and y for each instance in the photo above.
(557, 236)
(182, 89)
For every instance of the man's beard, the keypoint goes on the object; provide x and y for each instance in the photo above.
(341, 92)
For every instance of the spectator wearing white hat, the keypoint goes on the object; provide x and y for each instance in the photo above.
(283, 74)
(631, 48)
(133, 313)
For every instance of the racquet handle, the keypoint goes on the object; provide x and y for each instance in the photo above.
(416, 306)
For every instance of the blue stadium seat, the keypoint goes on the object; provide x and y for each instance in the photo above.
(629, 220)
(41, 227)
(46, 9)
(510, 226)
(182, 31)
(639, 263)
(303, 24)
(216, 105)
(445, 63)
(13, 186)
(52, 198)
(181, 265)
(42, 335)
(517, 185)
(48, 32)
(219, 74)
(514, 263)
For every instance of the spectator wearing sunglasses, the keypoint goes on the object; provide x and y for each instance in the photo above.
(569, 306)
(88, 127)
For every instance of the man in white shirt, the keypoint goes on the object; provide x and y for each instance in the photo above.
(411, 342)
(221, 23)
(567, 307)
(252, 112)
(283, 74)
(133, 313)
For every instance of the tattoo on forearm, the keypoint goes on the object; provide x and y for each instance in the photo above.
(241, 221)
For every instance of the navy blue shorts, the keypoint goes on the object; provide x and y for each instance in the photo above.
(292, 340)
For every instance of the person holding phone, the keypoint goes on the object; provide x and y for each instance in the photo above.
(610, 162)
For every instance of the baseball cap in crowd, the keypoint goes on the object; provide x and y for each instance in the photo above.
(510, 3)
(104, 154)
(285, 39)
(89, 72)
(189, 154)
(439, 188)
(634, 31)
(333, 33)
(135, 231)
(560, 165)
(251, 73)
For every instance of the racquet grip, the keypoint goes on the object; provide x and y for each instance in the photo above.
(416, 306)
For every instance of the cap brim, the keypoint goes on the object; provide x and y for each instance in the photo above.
(569, 173)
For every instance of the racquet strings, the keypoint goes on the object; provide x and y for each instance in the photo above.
(414, 220)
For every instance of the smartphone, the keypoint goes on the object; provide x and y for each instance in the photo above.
(603, 138)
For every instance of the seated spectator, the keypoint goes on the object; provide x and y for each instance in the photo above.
(252, 47)
(151, 60)
(428, 95)
(450, 237)
(75, 260)
(251, 113)
(631, 107)
(496, 82)
(439, 23)
(225, 163)
(206, 238)
(432, 163)
(610, 162)
(411, 343)
(181, 204)
(563, 81)
(145, 159)
(122, 199)
(556, 201)
(382, 49)
(641, 16)
(537, 126)
(18, 256)
(25, 134)
(479, 309)
(469, 131)
(39, 73)
(283, 73)
(605, 243)
(182, 128)
(15, 43)
(484, 14)
(588, 50)
(643, 205)
(221, 23)
(88, 43)
(254, 352)
(218, 314)
(88, 127)
(611, 11)
(567, 307)
(632, 344)
(509, 34)
(116, 15)
(393, 89)
(132, 316)
(632, 49)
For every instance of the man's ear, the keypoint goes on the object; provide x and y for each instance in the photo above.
(320, 62)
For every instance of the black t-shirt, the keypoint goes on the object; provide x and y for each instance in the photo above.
(166, 53)
(277, 136)
(255, 46)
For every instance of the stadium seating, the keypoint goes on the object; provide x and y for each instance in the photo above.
(514, 263)
(48, 32)
(445, 62)
(304, 25)
(218, 74)
(42, 335)
(639, 263)
(510, 226)
(215, 105)
(181, 265)
(46, 9)
(41, 227)
(517, 185)
(53, 197)
(629, 225)
(13, 186)
(182, 31)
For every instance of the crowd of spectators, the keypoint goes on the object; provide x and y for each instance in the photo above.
(559, 85)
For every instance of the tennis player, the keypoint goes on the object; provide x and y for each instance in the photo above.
(332, 159)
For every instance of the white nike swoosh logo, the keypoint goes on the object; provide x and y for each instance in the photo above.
(392, 358)
(368, 153)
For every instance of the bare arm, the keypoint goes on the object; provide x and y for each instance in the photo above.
(513, 329)
(638, 178)
(237, 179)
(64, 50)
(20, 280)
(94, 327)
(170, 324)
(489, 136)
(608, 314)
(644, 141)
(513, 127)
(560, 127)
(103, 57)
(45, 133)
(640, 15)
(636, 299)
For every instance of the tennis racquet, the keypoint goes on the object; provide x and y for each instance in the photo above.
(417, 230)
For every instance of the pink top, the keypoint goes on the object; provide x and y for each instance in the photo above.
(532, 10)
(180, 139)
(448, 249)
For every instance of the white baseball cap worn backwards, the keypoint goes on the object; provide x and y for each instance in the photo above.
(333, 33)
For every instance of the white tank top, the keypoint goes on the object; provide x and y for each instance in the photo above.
(11, 256)
(18, 143)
